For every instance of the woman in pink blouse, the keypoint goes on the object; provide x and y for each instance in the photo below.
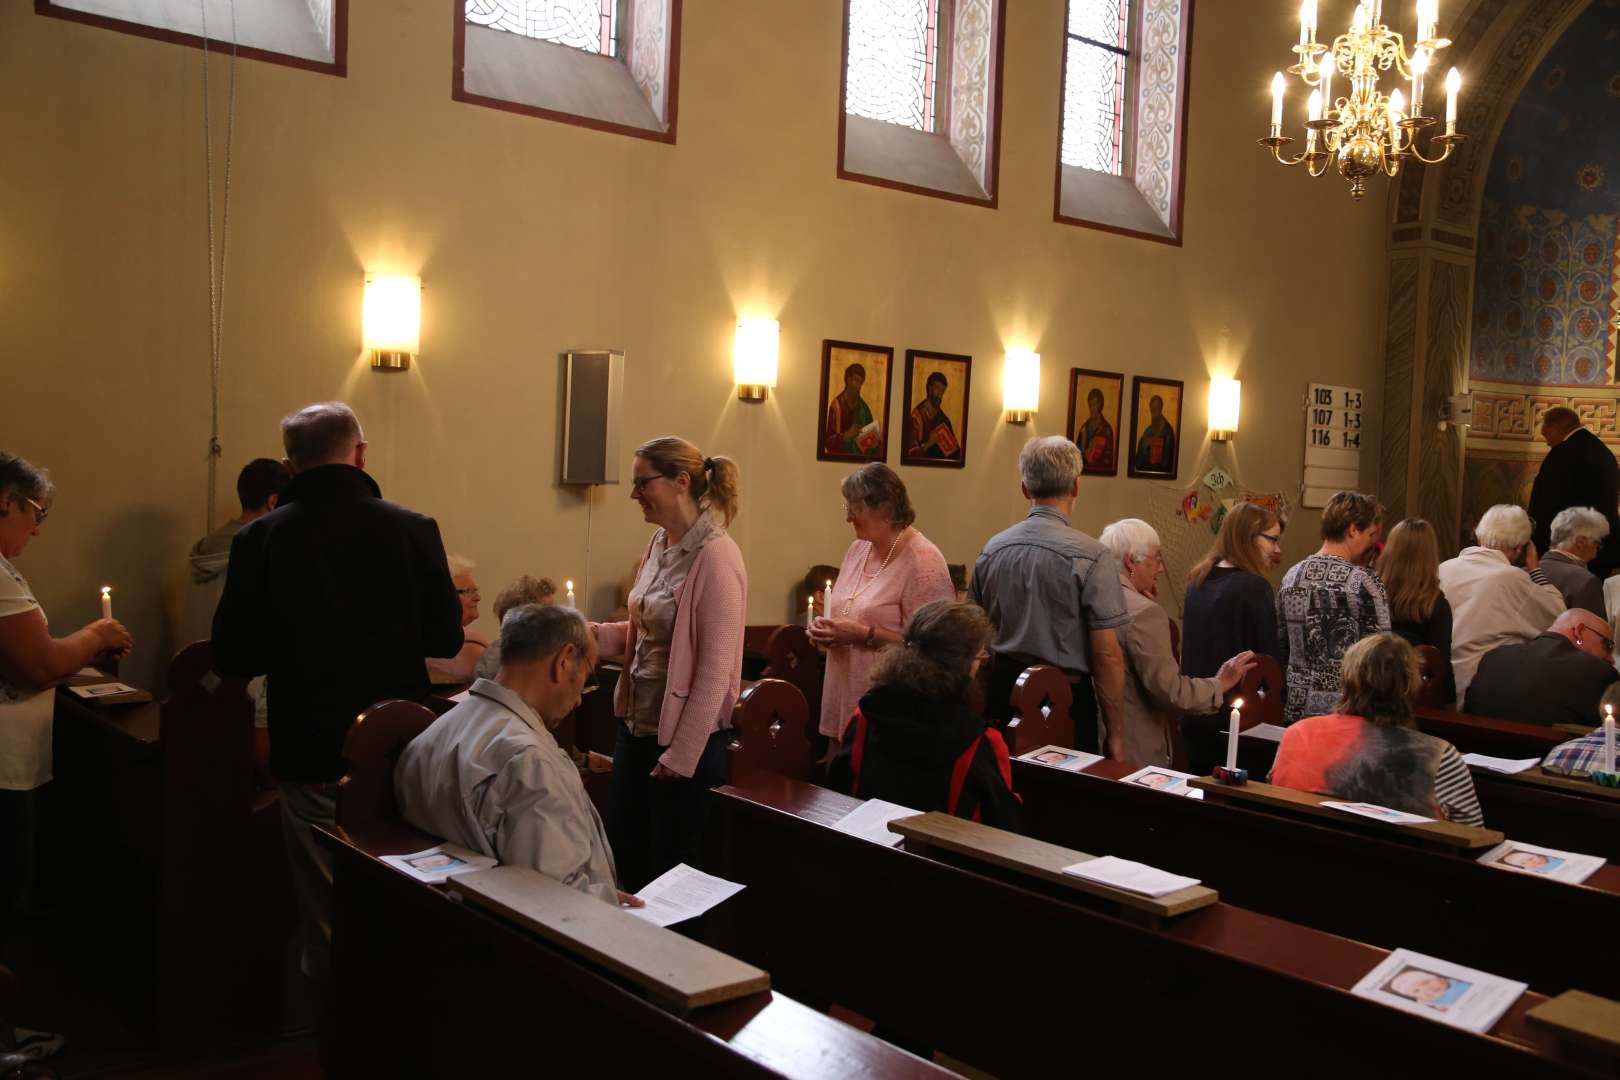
(889, 572)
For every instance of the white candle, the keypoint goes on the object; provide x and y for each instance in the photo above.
(809, 610)
(1233, 722)
(1396, 105)
(1608, 739)
(1325, 71)
(1315, 113)
(106, 601)
(1307, 16)
(826, 601)
(1276, 104)
(1420, 64)
(1453, 84)
(1428, 14)
(570, 600)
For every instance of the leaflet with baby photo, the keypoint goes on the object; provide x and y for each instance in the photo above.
(1378, 813)
(1156, 778)
(1522, 858)
(1443, 991)
(1061, 757)
(436, 864)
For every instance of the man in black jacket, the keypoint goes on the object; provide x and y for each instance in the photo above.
(1556, 678)
(337, 596)
(1579, 470)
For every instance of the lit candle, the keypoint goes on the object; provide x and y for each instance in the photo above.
(1608, 739)
(1307, 22)
(809, 610)
(1428, 15)
(1453, 84)
(1315, 113)
(1358, 25)
(826, 601)
(1420, 64)
(106, 601)
(1325, 70)
(1276, 104)
(1233, 722)
(1397, 104)
(570, 600)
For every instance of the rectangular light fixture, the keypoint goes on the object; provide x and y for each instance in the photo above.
(1225, 398)
(1021, 385)
(754, 356)
(391, 320)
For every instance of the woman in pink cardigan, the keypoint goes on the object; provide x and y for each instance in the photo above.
(683, 646)
(889, 572)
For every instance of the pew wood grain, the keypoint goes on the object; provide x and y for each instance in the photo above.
(1440, 834)
(681, 973)
(1582, 1018)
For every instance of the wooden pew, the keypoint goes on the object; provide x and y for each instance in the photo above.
(1587, 1028)
(1438, 835)
(426, 982)
(1041, 699)
(1017, 978)
(770, 727)
(791, 657)
(367, 808)
(1431, 678)
(1264, 693)
(159, 807)
(1333, 875)
(1487, 735)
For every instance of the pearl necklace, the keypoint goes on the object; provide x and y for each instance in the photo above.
(849, 603)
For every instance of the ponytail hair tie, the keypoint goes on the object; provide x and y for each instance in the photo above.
(708, 464)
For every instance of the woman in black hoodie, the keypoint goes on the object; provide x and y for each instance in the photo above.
(914, 740)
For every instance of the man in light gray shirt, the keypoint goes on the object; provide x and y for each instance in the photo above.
(1055, 598)
(488, 774)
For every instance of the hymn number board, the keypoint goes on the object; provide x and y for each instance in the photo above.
(1333, 416)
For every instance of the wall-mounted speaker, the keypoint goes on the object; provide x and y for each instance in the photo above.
(593, 401)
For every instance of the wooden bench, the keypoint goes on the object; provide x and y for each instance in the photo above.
(1325, 873)
(1587, 1026)
(1010, 977)
(1444, 835)
(770, 727)
(1487, 735)
(1041, 700)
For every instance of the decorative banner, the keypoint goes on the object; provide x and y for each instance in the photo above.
(1216, 479)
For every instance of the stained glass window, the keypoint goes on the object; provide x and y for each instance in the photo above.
(1094, 85)
(591, 25)
(893, 61)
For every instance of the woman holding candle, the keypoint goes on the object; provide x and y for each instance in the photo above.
(889, 572)
(683, 643)
(32, 662)
(1156, 693)
(1368, 750)
(1229, 609)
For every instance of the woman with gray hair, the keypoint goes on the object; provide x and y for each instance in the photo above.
(1156, 693)
(889, 571)
(1498, 592)
(1577, 537)
(32, 663)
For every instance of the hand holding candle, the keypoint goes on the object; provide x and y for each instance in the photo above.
(106, 601)
(826, 601)
(809, 610)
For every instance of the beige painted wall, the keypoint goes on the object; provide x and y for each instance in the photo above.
(533, 237)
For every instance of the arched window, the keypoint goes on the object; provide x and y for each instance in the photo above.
(921, 102)
(1121, 149)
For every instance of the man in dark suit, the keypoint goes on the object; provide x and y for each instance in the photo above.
(1556, 678)
(1578, 471)
(337, 596)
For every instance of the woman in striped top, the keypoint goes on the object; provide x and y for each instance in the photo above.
(1367, 749)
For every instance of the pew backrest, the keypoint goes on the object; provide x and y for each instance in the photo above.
(1263, 692)
(1431, 692)
(770, 733)
(366, 805)
(1041, 699)
(1439, 834)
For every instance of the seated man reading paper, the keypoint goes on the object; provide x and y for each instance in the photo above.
(489, 775)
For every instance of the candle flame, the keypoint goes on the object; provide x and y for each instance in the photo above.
(1237, 703)
(570, 585)
(106, 590)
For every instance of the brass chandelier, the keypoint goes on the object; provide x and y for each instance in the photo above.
(1365, 132)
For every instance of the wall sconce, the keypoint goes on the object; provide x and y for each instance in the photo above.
(753, 358)
(1225, 397)
(1021, 385)
(391, 320)
(1458, 410)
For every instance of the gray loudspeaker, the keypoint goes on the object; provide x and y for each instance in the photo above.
(593, 399)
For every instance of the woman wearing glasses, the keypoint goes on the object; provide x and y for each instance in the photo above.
(1230, 609)
(462, 667)
(683, 645)
(32, 662)
(889, 572)
(1418, 610)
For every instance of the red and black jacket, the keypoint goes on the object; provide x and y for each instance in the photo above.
(927, 753)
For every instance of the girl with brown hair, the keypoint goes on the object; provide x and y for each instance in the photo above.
(1418, 610)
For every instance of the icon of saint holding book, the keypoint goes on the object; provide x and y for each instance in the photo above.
(928, 430)
(850, 427)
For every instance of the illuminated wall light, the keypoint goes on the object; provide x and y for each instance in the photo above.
(1225, 398)
(391, 320)
(1021, 385)
(753, 357)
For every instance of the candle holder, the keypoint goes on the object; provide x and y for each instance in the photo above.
(1604, 779)
(1231, 777)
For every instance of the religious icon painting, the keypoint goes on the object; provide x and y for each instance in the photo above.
(855, 381)
(1094, 405)
(1155, 428)
(936, 419)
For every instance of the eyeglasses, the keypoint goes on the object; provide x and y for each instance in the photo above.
(1268, 538)
(40, 513)
(1608, 642)
(639, 483)
(467, 591)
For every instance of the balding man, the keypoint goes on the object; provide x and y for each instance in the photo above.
(488, 774)
(1577, 471)
(1556, 678)
(337, 596)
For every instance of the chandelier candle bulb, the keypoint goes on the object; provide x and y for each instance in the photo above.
(106, 601)
(1325, 70)
(1314, 113)
(1453, 84)
(1397, 105)
(1428, 17)
(1420, 63)
(1233, 722)
(1277, 85)
(1307, 24)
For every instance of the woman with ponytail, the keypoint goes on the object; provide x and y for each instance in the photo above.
(683, 644)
